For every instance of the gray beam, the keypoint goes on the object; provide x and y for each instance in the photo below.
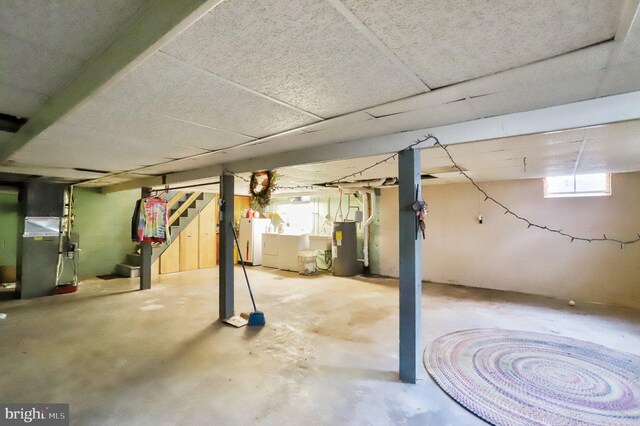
(593, 112)
(145, 255)
(226, 297)
(154, 26)
(410, 268)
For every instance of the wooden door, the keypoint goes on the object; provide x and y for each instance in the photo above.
(207, 236)
(189, 246)
(170, 259)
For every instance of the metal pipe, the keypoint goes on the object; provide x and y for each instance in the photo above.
(364, 184)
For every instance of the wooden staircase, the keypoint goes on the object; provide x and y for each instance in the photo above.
(183, 209)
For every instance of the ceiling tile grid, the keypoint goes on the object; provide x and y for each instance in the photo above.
(167, 86)
(100, 114)
(446, 42)
(45, 44)
(302, 52)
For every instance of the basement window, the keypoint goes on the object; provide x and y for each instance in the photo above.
(591, 185)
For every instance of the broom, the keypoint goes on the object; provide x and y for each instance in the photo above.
(256, 317)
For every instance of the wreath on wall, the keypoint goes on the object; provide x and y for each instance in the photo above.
(261, 185)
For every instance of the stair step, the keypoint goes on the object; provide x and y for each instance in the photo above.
(129, 271)
(134, 259)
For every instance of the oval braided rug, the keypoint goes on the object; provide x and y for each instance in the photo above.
(520, 378)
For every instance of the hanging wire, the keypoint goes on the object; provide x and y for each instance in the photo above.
(529, 223)
(487, 197)
(236, 175)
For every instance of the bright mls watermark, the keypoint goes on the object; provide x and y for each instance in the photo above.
(34, 414)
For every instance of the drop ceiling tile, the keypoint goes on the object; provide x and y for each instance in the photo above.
(530, 97)
(614, 130)
(106, 143)
(205, 160)
(51, 172)
(446, 42)
(422, 101)
(20, 103)
(621, 79)
(170, 87)
(34, 68)
(437, 115)
(359, 117)
(302, 52)
(615, 162)
(74, 28)
(100, 114)
(628, 145)
(42, 153)
(540, 74)
(5, 136)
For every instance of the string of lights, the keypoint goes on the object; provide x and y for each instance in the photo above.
(313, 186)
(487, 197)
(238, 176)
(529, 223)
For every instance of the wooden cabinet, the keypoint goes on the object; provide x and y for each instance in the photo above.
(189, 247)
(170, 259)
(207, 236)
(197, 246)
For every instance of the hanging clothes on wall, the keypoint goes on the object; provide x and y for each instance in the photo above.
(150, 221)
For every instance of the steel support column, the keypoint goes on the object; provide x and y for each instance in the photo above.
(145, 255)
(410, 267)
(226, 246)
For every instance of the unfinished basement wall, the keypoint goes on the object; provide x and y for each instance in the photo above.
(104, 224)
(503, 254)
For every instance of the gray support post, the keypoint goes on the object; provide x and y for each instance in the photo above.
(226, 246)
(410, 267)
(145, 255)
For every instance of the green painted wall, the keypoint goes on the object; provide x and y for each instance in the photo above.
(104, 224)
(8, 228)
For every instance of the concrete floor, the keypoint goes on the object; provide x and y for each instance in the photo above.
(328, 354)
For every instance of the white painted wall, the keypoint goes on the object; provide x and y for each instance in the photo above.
(502, 254)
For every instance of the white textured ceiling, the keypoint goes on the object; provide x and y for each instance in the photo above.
(446, 42)
(303, 52)
(165, 85)
(44, 44)
(249, 78)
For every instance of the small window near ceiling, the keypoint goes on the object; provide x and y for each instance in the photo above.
(591, 185)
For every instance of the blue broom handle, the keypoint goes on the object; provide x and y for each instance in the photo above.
(246, 277)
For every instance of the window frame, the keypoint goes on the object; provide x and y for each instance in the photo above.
(576, 192)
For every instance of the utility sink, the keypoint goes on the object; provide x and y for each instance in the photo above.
(319, 242)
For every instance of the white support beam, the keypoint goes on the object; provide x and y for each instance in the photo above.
(154, 26)
(592, 112)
